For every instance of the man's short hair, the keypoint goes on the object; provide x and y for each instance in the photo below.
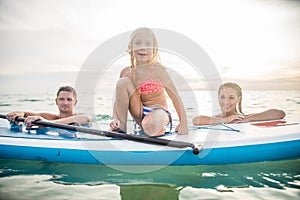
(67, 89)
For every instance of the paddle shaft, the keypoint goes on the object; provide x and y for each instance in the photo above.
(148, 140)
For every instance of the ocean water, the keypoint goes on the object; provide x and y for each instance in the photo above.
(21, 179)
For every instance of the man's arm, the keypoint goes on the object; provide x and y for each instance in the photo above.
(78, 118)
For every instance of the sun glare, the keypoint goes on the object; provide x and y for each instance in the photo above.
(253, 41)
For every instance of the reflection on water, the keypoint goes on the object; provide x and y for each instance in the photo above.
(269, 178)
(39, 187)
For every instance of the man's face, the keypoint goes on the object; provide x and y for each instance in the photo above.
(65, 102)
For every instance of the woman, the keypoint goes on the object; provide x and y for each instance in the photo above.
(230, 101)
(142, 89)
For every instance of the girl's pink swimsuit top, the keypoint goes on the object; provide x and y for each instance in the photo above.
(150, 86)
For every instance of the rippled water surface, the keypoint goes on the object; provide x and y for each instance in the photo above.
(20, 179)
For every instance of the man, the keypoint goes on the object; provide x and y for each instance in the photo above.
(66, 100)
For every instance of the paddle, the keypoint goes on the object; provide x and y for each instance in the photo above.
(148, 140)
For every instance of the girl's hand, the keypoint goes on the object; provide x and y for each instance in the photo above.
(182, 129)
(115, 126)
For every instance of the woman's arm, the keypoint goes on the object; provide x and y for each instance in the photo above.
(266, 115)
(207, 120)
(270, 114)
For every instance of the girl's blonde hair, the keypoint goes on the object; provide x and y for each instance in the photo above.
(237, 88)
(155, 58)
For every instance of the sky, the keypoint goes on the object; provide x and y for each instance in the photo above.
(43, 44)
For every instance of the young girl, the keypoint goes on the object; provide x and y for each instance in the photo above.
(141, 89)
(230, 101)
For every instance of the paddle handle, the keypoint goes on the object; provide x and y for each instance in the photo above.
(148, 140)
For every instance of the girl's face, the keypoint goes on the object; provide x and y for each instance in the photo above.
(142, 46)
(228, 100)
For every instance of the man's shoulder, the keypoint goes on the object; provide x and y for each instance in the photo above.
(49, 116)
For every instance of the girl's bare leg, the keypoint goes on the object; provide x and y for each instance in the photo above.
(126, 99)
(154, 123)
(120, 106)
(136, 107)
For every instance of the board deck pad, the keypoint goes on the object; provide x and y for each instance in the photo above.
(274, 123)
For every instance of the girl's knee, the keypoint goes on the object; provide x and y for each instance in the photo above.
(154, 123)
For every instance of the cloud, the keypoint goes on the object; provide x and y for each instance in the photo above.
(247, 40)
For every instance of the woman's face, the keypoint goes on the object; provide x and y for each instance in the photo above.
(142, 46)
(228, 100)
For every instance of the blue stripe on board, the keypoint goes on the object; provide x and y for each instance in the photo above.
(49, 137)
(226, 155)
(220, 127)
